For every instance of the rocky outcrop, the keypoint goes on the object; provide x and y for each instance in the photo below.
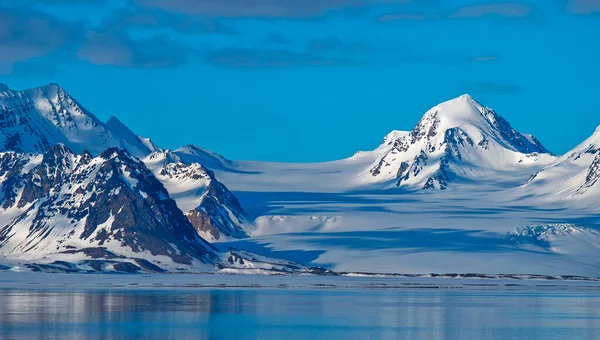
(212, 209)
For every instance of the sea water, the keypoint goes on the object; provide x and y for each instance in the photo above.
(268, 313)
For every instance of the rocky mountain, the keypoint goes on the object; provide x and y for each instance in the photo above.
(67, 212)
(575, 174)
(34, 120)
(213, 210)
(109, 207)
(458, 140)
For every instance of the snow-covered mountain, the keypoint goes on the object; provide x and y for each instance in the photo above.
(67, 212)
(128, 205)
(36, 119)
(574, 175)
(108, 207)
(458, 140)
(213, 210)
(32, 121)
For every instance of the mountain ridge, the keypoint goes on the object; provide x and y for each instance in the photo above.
(119, 209)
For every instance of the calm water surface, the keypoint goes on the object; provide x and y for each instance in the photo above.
(300, 314)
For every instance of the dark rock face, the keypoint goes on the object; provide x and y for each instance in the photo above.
(516, 139)
(453, 140)
(112, 201)
(593, 174)
(11, 165)
(219, 213)
(427, 128)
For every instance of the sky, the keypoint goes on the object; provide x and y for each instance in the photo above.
(309, 80)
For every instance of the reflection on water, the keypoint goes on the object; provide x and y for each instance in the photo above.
(286, 314)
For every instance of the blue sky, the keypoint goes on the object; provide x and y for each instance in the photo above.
(311, 80)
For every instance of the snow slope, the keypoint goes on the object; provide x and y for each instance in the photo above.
(36, 119)
(574, 176)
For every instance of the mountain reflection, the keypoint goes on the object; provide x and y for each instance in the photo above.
(283, 314)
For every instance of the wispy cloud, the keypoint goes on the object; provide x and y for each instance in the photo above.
(119, 49)
(263, 8)
(31, 34)
(253, 58)
(401, 17)
(128, 18)
(583, 6)
(335, 44)
(501, 9)
(474, 11)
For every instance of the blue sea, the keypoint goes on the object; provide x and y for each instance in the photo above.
(299, 314)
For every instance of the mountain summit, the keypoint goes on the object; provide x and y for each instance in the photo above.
(456, 140)
(34, 120)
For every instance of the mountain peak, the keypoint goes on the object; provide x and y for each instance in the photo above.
(52, 89)
(459, 109)
(52, 86)
(459, 138)
(462, 99)
(4, 87)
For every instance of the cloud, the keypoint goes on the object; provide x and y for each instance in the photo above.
(31, 34)
(401, 17)
(583, 6)
(489, 87)
(335, 44)
(262, 8)
(327, 51)
(71, 2)
(125, 19)
(483, 10)
(501, 9)
(119, 49)
(252, 58)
